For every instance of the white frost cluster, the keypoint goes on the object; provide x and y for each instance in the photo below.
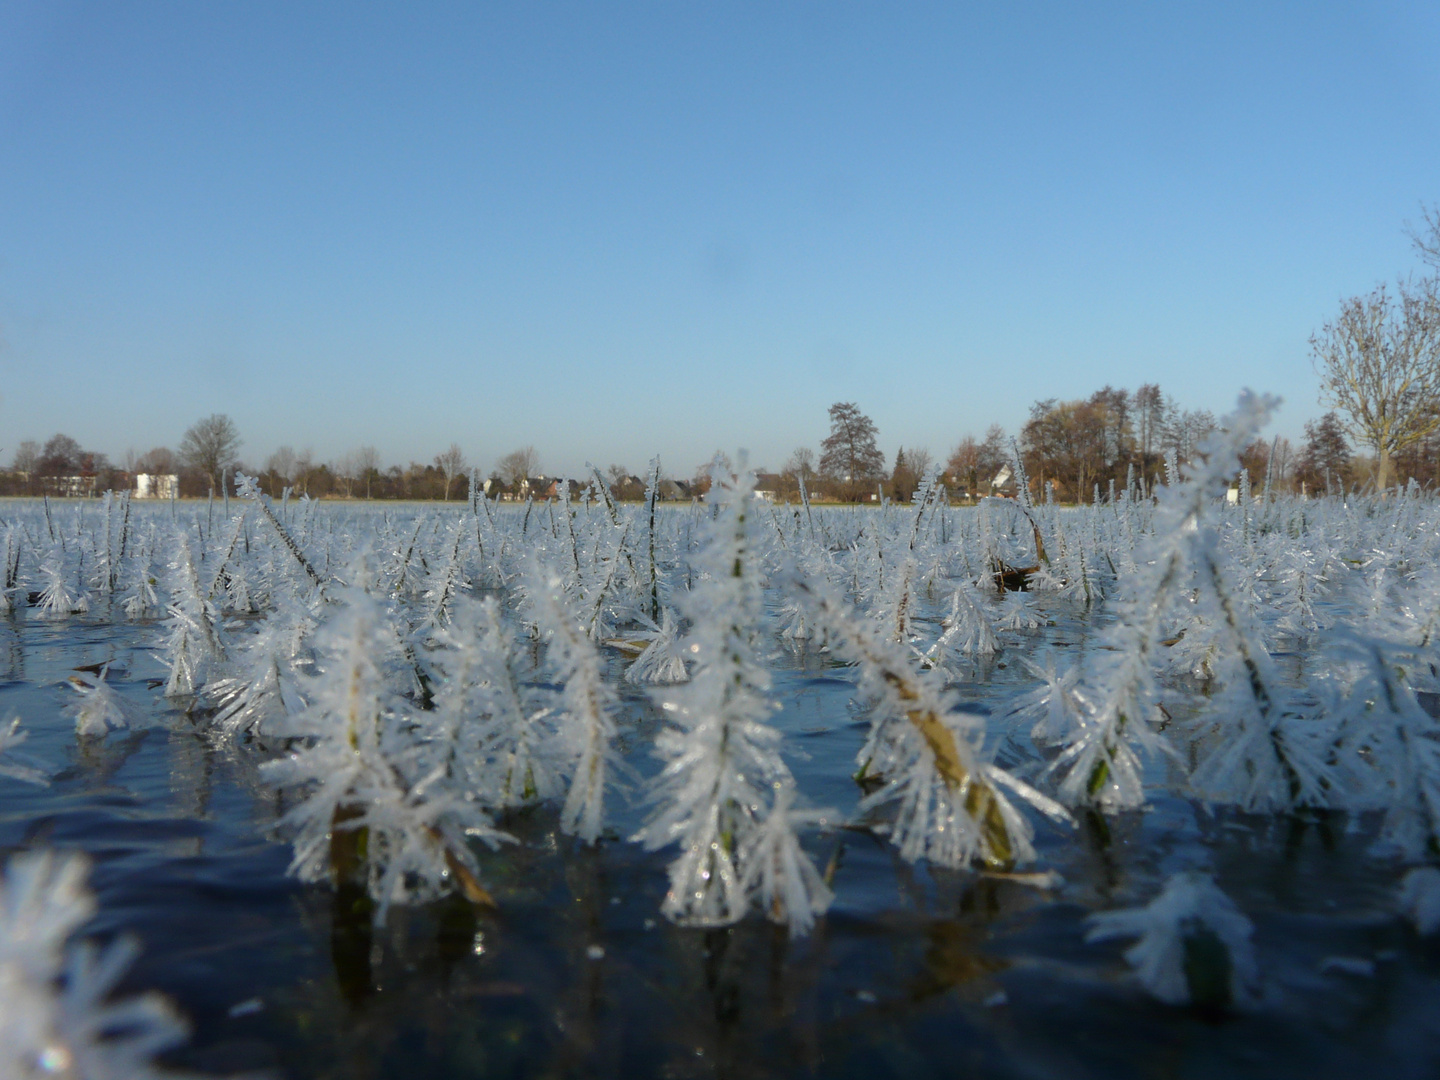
(1190, 938)
(725, 794)
(101, 708)
(56, 1019)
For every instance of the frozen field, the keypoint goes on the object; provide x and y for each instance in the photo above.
(735, 789)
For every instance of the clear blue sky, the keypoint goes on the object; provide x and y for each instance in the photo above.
(612, 229)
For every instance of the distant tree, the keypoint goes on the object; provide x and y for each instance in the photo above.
(210, 446)
(367, 461)
(280, 468)
(1427, 238)
(451, 463)
(27, 457)
(1325, 457)
(994, 453)
(1064, 441)
(1281, 465)
(700, 482)
(1184, 429)
(1253, 460)
(910, 468)
(801, 463)
(1148, 409)
(1117, 437)
(60, 457)
(1269, 458)
(1379, 363)
(302, 470)
(973, 466)
(518, 465)
(158, 461)
(921, 460)
(344, 470)
(282, 463)
(848, 455)
(962, 471)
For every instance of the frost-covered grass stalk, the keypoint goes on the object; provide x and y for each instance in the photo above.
(725, 794)
(949, 806)
(586, 725)
(374, 805)
(1103, 763)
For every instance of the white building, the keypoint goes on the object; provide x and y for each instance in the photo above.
(156, 485)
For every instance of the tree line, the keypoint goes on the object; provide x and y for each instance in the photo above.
(1074, 446)
(1378, 363)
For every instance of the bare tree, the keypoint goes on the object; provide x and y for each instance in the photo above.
(994, 453)
(452, 464)
(209, 447)
(303, 467)
(963, 467)
(282, 463)
(1427, 238)
(910, 468)
(27, 456)
(367, 461)
(345, 470)
(849, 454)
(1148, 405)
(1379, 362)
(518, 465)
(59, 457)
(158, 460)
(801, 464)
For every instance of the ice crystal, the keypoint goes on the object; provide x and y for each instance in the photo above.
(1193, 944)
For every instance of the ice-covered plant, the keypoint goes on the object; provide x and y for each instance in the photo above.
(1194, 944)
(101, 708)
(56, 1013)
(894, 610)
(777, 872)
(263, 681)
(966, 630)
(12, 593)
(1102, 763)
(447, 581)
(662, 662)
(249, 488)
(59, 599)
(139, 579)
(1055, 708)
(374, 807)
(492, 728)
(1393, 742)
(586, 721)
(193, 640)
(949, 806)
(720, 794)
(1016, 612)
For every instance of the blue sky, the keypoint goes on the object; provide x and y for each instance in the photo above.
(611, 230)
